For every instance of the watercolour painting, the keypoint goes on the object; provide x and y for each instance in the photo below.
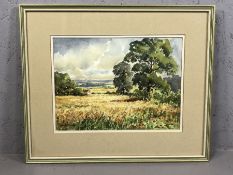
(117, 82)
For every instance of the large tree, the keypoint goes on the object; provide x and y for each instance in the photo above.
(123, 77)
(151, 59)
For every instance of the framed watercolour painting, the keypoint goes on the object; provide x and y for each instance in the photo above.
(117, 83)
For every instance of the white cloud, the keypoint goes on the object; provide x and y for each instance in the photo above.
(93, 59)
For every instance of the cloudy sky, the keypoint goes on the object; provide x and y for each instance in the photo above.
(94, 58)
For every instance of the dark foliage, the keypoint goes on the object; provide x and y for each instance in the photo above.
(65, 86)
(123, 77)
(174, 82)
(151, 58)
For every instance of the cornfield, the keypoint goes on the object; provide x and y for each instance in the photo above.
(102, 111)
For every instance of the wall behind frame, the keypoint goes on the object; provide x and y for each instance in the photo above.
(11, 115)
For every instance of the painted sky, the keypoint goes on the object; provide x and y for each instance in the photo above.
(94, 58)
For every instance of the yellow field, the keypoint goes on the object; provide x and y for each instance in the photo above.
(99, 110)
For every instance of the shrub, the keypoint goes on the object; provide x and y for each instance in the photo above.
(77, 92)
(169, 97)
(65, 86)
(140, 94)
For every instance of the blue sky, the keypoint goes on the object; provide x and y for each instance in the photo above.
(94, 58)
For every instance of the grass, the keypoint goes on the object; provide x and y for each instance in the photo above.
(101, 110)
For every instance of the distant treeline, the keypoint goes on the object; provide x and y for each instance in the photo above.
(175, 82)
(90, 84)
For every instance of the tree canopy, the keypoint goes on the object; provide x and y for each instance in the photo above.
(151, 59)
(123, 77)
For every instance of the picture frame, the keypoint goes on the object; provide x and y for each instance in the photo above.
(63, 41)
